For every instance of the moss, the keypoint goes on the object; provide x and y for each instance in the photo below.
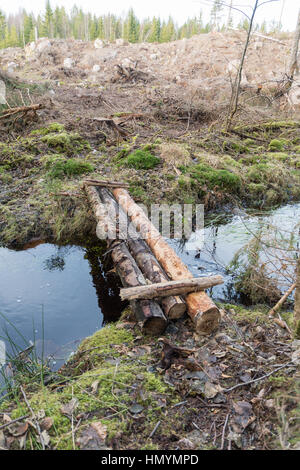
(64, 142)
(105, 337)
(116, 390)
(257, 188)
(215, 178)
(277, 145)
(54, 127)
(142, 160)
(257, 314)
(60, 167)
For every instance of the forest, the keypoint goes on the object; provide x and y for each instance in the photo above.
(17, 30)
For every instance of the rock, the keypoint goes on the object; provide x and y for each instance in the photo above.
(96, 68)
(99, 44)
(185, 444)
(68, 63)
(43, 46)
(153, 56)
(121, 42)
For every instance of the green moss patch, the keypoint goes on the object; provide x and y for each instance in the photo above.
(142, 160)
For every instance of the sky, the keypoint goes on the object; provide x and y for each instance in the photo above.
(180, 10)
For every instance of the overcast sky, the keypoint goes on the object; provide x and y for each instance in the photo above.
(179, 9)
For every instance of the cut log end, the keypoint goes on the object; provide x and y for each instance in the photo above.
(207, 322)
(154, 326)
(176, 310)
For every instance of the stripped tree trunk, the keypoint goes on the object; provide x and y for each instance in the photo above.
(201, 308)
(147, 312)
(173, 307)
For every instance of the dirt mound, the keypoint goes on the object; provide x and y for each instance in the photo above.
(200, 68)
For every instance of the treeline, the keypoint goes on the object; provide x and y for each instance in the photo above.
(22, 28)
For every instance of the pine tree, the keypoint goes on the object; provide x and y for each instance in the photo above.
(47, 27)
(155, 30)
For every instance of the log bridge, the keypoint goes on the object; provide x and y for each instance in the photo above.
(157, 284)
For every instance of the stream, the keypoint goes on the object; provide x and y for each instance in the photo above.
(55, 296)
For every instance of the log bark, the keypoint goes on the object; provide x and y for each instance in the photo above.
(162, 289)
(201, 308)
(147, 312)
(173, 307)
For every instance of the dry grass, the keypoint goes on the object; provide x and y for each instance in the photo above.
(175, 154)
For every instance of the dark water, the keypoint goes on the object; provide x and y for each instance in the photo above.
(67, 289)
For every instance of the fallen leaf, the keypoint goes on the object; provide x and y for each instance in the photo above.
(95, 386)
(46, 424)
(243, 416)
(211, 390)
(69, 408)
(6, 418)
(101, 429)
(18, 429)
(89, 439)
(46, 438)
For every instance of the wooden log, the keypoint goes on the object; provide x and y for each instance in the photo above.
(162, 289)
(201, 308)
(147, 312)
(173, 307)
(105, 183)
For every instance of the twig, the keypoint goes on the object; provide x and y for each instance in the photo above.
(260, 378)
(282, 300)
(155, 429)
(33, 417)
(223, 432)
(13, 421)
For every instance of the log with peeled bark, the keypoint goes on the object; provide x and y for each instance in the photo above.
(173, 306)
(201, 308)
(162, 289)
(147, 312)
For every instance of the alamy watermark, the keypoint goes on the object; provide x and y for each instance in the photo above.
(176, 221)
